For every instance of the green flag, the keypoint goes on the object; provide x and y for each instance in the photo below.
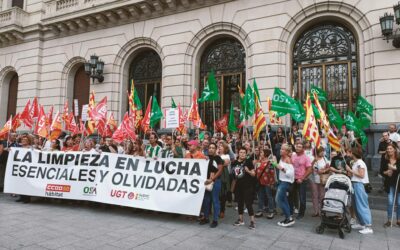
(201, 136)
(363, 106)
(137, 102)
(352, 122)
(301, 116)
(334, 116)
(283, 103)
(322, 96)
(173, 104)
(364, 120)
(156, 113)
(364, 138)
(255, 88)
(231, 125)
(210, 91)
(316, 112)
(249, 102)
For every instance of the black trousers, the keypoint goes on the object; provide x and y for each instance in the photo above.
(244, 196)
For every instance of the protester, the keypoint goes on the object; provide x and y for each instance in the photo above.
(177, 149)
(243, 171)
(55, 145)
(27, 144)
(390, 166)
(277, 141)
(359, 178)
(194, 152)
(89, 146)
(302, 169)
(320, 167)
(286, 179)
(266, 181)
(393, 135)
(167, 152)
(153, 150)
(214, 171)
(109, 146)
(3, 163)
(204, 147)
(225, 195)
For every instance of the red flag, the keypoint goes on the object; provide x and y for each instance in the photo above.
(34, 110)
(221, 125)
(119, 135)
(128, 127)
(194, 115)
(41, 126)
(25, 116)
(65, 111)
(145, 124)
(182, 120)
(49, 116)
(16, 122)
(56, 127)
(99, 113)
(110, 126)
(6, 128)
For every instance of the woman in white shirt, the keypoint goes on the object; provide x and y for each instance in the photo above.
(286, 178)
(359, 177)
(320, 166)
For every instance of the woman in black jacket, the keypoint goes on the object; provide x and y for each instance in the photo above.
(390, 166)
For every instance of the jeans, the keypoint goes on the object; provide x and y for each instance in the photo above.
(282, 198)
(262, 191)
(361, 204)
(212, 196)
(390, 203)
(301, 190)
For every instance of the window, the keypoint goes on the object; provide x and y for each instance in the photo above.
(18, 3)
(326, 56)
(81, 87)
(226, 56)
(12, 96)
(146, 70)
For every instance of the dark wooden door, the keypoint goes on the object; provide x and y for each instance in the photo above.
(81, 87)
(12, 96)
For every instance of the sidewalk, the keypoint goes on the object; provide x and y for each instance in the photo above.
(55, 225)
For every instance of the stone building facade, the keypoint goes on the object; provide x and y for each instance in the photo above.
(168, 46)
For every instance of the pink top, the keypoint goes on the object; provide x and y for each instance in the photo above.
(300, 164)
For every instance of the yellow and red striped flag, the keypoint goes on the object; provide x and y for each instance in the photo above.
(333, 140)
(273, 117)
(324, 118)
(259, 119)
(310, 129)
(6, 129)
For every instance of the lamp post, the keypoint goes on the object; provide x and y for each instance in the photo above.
(387, 22)
(94, 68)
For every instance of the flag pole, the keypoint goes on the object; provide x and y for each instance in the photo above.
(214, 115)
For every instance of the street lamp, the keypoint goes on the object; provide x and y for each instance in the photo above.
(387, 26)
(94, 68)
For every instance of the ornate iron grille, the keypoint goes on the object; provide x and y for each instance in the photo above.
(326, 56)
(226, 56)
(146, 70)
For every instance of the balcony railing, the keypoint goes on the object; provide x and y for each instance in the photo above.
(55, 8)
(13, 16)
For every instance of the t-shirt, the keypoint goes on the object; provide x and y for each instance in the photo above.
(288, 175)
(214, 161)
(167, 153)
(300, 163)
(356, 166)
(243, 179)
(339, 163)
(382, 146)
(197, 155)
(318, 165)
(153, 151)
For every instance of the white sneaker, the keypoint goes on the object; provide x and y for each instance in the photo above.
(296, 211)
(366, 230)
(357, 227)
(245, 211)
(353, 221)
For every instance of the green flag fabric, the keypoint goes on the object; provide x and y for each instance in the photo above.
(364, 120)
(363, 106)
(173, 104)
(301, 116)
(249, 102)
(352, 122)
(156, 113)
(231, 125)
(137, 102)
(210, 91)
(316, 112)
(322, 96)
(283, 103)
(201, 136)
(334, 116)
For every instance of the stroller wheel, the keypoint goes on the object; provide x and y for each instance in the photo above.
(341, 234)
(320, 229)
(347, 228)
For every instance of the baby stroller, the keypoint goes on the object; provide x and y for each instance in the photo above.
(334, 212)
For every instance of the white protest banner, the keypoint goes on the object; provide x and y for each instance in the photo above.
(167, 185)
(172, 118)
(85, 112)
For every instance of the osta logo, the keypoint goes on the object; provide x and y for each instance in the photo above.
(55, 190)
(90, 191)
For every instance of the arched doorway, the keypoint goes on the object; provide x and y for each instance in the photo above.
(326, 56)
(227, 57)
(146, 71)
(81, 89)
(12, 96)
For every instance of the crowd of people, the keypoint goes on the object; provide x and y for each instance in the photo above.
(276, 170)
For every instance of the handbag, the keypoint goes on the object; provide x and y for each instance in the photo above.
(209, 187)
(324, 178)
(368, 188)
